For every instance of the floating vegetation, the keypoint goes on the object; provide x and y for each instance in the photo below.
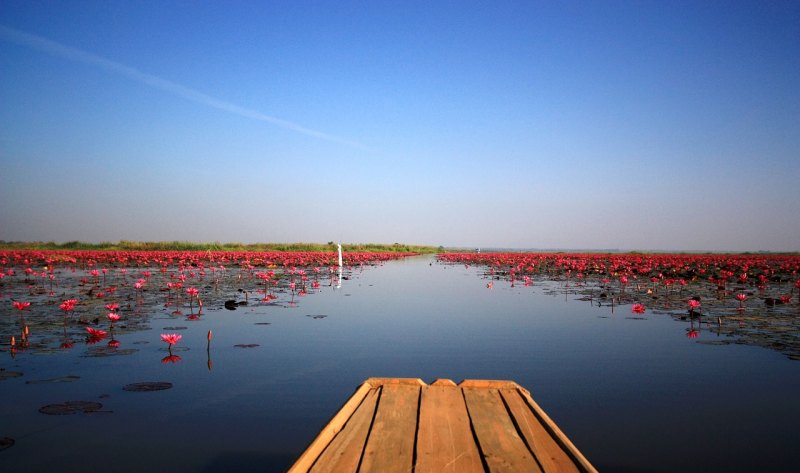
(102, 351)
(71, 407)
(247, 345)
(4, 375)
(147, 386)
(60, 296)
(61, 379)
(316, 316)
(751, 299)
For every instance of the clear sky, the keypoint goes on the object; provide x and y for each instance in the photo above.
(538, 124)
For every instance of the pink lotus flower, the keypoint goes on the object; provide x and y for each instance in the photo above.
(638, 308)
(68, 305)
(693, 304)
(20, 305)
(192, 291)
(93, 332)
(171, 338)
(112, 307)
(113, 316)
(741, 297)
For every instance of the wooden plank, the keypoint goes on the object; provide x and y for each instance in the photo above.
(489, 384)
(558, 435)
(390, 447)
(549, 453)
(304, 462)
(404, 425)
(395, 381)
(501, 446)
(444, 441)
(443, 382)
(344, 452)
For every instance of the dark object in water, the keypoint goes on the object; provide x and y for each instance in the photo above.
(772, 302)
(232, 304)
(70, 407)
(6, 442)
(147, 386)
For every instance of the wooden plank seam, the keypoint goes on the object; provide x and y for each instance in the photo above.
(416, 430)
(472, 429)
(371, 423)
(521, 435)
(558, 435)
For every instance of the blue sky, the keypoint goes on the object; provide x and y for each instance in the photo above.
(630, 125)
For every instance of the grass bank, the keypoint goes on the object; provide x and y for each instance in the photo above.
(126, 245)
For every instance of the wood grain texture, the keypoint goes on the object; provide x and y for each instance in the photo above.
(444, 441)
(501, 446)
(390, 447)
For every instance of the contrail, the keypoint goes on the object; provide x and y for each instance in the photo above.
(78, 55)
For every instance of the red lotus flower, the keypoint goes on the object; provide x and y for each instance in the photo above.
(693, 304)
(93, 332)
(68, 305)
(192, 291)
(171, 338)
(112, 307)
(113, 317)
(741, 297)
(638, 308)
(20, 305)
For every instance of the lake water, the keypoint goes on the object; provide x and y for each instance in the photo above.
(633, 394)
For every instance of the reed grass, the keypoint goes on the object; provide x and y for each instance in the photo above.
(127, 245)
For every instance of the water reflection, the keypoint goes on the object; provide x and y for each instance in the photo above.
(610, 382)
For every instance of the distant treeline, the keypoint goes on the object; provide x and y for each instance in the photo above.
(125, 245)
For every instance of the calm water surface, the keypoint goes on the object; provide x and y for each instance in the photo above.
(634, 394)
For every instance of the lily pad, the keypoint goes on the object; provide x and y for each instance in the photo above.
(71, 407)
(147, 386)
(99, 352)
(247, 345)
(9, 374)
(175, 328)
(60, 379)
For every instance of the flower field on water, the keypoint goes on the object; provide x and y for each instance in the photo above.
(750, 299)
(53, 300)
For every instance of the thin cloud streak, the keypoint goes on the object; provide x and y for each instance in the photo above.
(78, 55)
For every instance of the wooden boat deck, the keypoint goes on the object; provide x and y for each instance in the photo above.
(405, 425)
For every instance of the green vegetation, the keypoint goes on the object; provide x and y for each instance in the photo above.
(125, 245)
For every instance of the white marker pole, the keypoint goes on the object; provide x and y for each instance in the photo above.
(339, 282)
